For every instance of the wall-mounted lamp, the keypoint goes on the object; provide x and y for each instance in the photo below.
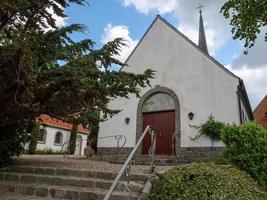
(190, 115)
(127, 120)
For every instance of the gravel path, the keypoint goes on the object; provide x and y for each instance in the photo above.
(79, 162)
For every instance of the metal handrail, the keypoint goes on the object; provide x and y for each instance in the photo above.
(129, 159)
(116, 137)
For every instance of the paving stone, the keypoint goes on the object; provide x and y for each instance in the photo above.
(11, 177)
(27, 179)
(71, 195)
(42, 179)
(25, 189)
(41, 192)
(7, 188)
(56, 193)
(49, 171)
(88, 196)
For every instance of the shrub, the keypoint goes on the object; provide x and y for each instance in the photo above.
(246, 148)
(73, 137)
(34, 137)
(13, 137)
(206, 181)
(210, 128)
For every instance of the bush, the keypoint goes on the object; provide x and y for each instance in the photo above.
(206, 181)
(246, 148)
(34, 137)
(73, 137)
(13, 137)
(211, 129)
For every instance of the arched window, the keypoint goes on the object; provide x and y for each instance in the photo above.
(58, 138)
(158, 102)
(42, 135)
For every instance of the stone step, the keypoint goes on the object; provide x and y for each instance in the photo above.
(71, 172)
(14, 191)
(160, 160)
(87, 182)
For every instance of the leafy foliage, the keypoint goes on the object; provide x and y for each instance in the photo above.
(13, 137)
(32, 81)
(73, 137)
(246, 148)
(247, 18)
(34, 137)
(44, 71)
(210, 128)
(206, 181)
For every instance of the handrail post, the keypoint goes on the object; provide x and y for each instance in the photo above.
(126, 163)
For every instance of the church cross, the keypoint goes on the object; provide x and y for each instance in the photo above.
(200, 8)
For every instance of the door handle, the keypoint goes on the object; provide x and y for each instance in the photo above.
(160, 134)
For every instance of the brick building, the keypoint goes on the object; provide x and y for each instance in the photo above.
(260, 113)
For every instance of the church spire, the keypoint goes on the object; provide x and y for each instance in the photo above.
(201, 37)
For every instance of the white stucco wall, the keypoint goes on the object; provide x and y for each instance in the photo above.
(200, 84)
(50, 140)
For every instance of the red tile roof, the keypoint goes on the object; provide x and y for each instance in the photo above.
(46, 119)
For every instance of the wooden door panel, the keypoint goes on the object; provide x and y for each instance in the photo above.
(164, 125)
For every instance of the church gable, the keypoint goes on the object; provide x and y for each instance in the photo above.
(162, 36)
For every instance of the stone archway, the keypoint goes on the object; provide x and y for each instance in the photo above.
(139, 123)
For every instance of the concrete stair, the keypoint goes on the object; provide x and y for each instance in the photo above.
(160, 160)
(32, 182)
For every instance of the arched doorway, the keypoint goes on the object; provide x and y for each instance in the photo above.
(160, 108)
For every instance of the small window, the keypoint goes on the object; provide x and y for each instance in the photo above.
(58, 138)
(42, 135)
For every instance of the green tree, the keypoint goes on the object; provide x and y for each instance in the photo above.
(246, 18)
(44, 71)
(34, 137)
(73, 137)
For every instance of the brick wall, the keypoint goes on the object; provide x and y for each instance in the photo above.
(260, 113)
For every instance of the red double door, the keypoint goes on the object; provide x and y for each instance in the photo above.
(164, 126)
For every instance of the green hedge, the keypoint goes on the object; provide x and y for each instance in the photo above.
(204, 181)
(246, 148)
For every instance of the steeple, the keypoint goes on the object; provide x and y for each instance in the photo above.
(201, 37)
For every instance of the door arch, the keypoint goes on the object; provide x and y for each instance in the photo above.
(145, 115)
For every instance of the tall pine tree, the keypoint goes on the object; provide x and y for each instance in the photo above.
(32, 82)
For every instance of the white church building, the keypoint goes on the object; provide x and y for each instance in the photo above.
(188, 87)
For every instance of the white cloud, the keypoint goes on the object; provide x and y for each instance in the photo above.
(60, 21)
(255, 82)
(120, 31)
(216, 27)
(145, 6)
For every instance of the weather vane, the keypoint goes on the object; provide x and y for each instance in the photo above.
(200, 7)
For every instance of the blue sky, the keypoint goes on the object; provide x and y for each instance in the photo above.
(107, 19)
